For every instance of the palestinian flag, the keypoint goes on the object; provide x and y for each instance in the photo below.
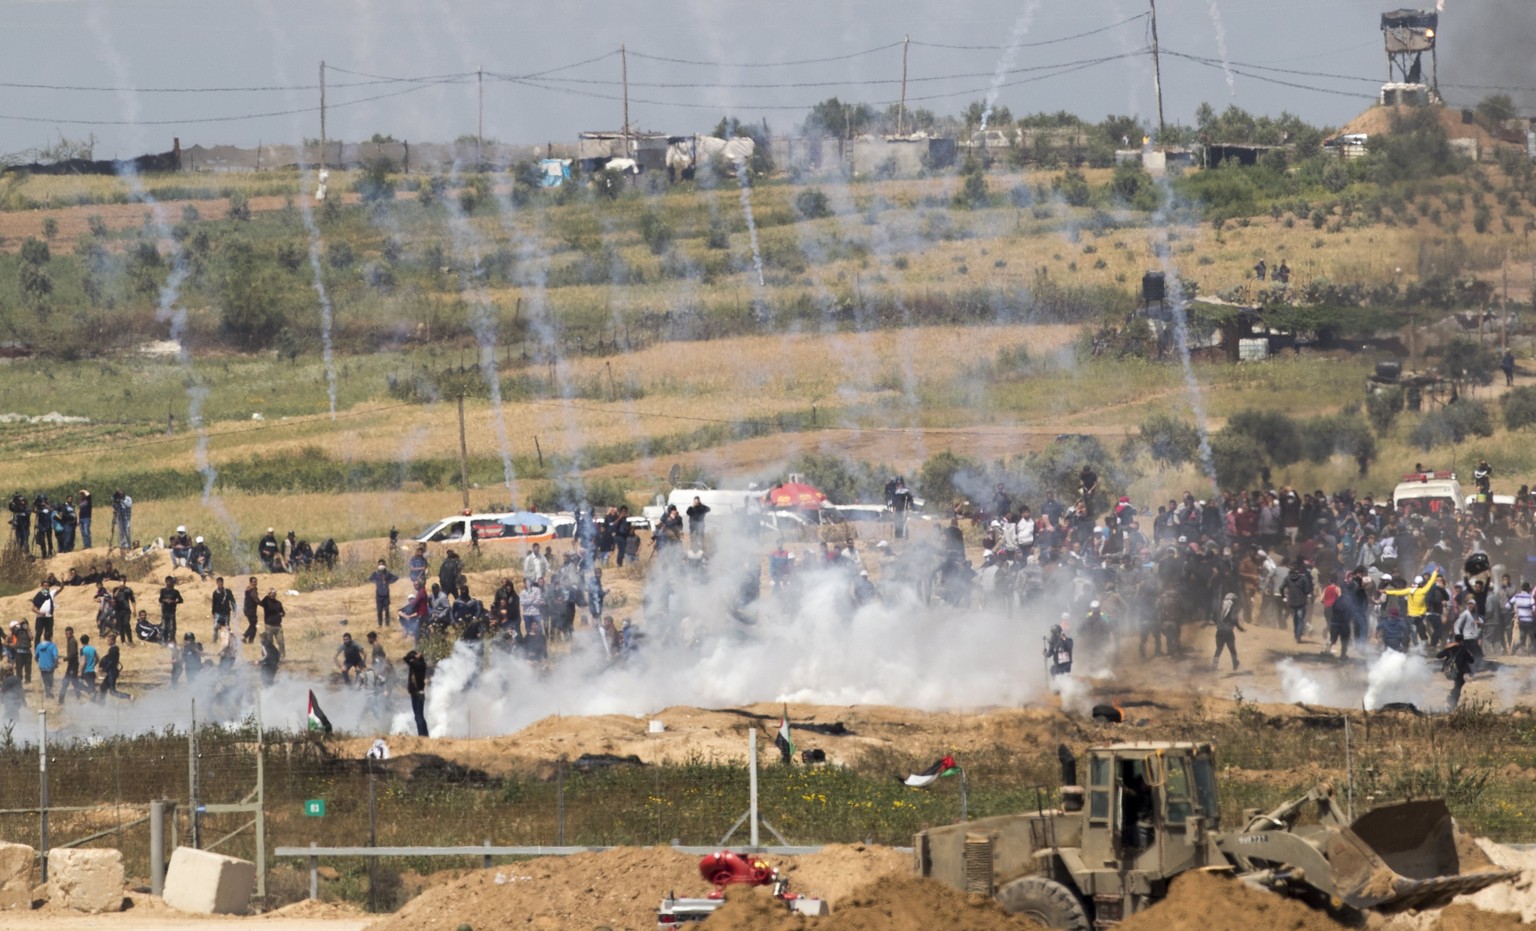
(317, 719)
(944, 767)
(783, 741)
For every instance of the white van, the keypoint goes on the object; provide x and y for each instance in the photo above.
(1429, 493)
(506, 527)
(719, 501)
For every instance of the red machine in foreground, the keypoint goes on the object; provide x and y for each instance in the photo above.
(724, 869)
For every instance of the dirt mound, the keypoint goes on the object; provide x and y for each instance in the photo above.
(841, 870)
(1205, 900)
(330, 911)
(890, 903)
(619, 887)
(1377, 121)
(1469, 918)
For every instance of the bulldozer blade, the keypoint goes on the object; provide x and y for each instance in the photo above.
(1407, 855)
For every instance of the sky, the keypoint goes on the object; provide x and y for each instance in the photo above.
(542, 83)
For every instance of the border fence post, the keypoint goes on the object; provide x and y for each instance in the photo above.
(157, 847)
(42, 788)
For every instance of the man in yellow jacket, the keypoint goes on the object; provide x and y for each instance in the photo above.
(1417, 606)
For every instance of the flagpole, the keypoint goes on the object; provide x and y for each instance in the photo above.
(964, 798)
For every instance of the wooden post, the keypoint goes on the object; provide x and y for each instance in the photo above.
(624, 74)
(1157, 71)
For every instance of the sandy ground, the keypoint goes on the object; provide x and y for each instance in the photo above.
(147, 912)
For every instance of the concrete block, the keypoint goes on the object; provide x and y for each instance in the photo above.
(86, 880)
(17, 867)
(209, 883)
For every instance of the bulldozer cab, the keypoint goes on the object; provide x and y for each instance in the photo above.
(1149, 807)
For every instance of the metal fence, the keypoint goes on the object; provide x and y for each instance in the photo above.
(100, 790)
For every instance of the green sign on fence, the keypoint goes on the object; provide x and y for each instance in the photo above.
(315, 807)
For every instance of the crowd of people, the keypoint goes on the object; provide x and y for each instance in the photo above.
(1339, 570)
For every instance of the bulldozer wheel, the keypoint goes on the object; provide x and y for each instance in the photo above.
(1046, 901)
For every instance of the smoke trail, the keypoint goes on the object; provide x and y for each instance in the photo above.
(467, 242)
(307, 213)
(1196, 399)
(168, 302)
(746, 208)
(1010, 58)
(1221, 47)
(326, 314)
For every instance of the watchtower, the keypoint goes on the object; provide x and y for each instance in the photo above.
(1408, 34)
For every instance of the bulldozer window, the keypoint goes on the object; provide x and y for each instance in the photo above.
(1098, 794)
(1138, 806)
(1205, 786)
(1176, 791)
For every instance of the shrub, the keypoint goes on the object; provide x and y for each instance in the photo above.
(717, 238)
(812, 204)
(655, 232)
(1169, 439)
(1239, 459)
(1272, 431)
(1465, 360)
(339, 255)
(1452, 424)
(239, 206)
(1342, 434)
(973, 193)
(842, 480)
(1381, 407)
(936, 480)
(35, 252)
(1519, 407)
(374, 185)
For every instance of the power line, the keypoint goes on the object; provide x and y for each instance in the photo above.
(1043, 42)
(1234, 69)
(1243, 64)
(765, 64)
(1057, 72)
(862, 82)
(269, 88)
(215, 119)
(1200, 59)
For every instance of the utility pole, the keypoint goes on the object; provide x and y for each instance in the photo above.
(480, 120)
(901, 108)
(322, 114)
(1157, 73)
(624, 76)
(463, 453)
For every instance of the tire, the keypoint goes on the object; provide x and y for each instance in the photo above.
(1046, 901)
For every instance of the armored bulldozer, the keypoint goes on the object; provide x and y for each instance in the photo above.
(1149, 812)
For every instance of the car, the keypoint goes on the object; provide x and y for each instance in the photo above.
(503, 527)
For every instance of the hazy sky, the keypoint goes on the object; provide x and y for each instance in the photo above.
(275, 43)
